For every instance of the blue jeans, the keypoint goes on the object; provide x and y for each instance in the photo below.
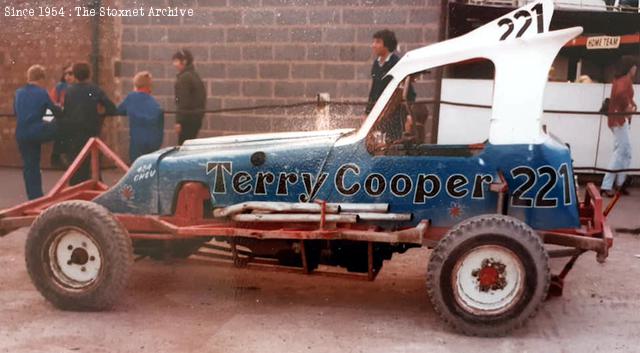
(30, 153)
(621, 157)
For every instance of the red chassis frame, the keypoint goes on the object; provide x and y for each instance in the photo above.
(188, 221)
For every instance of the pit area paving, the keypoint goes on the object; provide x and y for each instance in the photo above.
(188, 306)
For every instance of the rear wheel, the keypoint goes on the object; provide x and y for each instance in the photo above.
(79, 256)
(488, 275)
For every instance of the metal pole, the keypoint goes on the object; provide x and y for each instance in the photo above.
(442, 34)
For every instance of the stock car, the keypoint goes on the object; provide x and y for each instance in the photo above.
(348, 199)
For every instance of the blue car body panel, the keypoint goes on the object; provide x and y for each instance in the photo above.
(302, 167)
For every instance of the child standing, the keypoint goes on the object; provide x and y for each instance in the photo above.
(30, 104)
(146, 118)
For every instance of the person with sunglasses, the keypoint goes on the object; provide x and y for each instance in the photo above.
(59, 154)
(67, 79)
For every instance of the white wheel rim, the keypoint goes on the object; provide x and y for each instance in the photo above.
(74, 258)
(488, 280)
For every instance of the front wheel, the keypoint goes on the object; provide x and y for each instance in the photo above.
(79, 256)
(488, 275)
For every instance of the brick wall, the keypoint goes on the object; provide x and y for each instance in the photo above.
(249, 52)
(255, 52)
(52, 42)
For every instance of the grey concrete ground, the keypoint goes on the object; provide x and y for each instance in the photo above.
(191, 307)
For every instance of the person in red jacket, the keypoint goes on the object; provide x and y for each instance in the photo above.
(621, 101)
(59, 154)
(57, 93)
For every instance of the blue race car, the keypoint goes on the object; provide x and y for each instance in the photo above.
(349, 198)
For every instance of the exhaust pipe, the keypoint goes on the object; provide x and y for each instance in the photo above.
(267, 206)
(362, 207)
(267, 211)
(287, 217)
(395, 217)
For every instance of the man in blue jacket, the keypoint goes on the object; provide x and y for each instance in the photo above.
(146, 118)
(30, 106)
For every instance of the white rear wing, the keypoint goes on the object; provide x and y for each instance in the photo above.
(522, 50)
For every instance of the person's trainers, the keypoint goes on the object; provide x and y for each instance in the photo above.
(623, 191)
(624, 187)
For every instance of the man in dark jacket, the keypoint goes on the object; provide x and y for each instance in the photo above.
(191, 97)
(30, 105)
(383, 46)
(81, 119)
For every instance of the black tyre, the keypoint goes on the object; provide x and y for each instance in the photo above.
(488, 275)
(79, 256)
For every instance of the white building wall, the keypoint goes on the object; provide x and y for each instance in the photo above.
(589, 136)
